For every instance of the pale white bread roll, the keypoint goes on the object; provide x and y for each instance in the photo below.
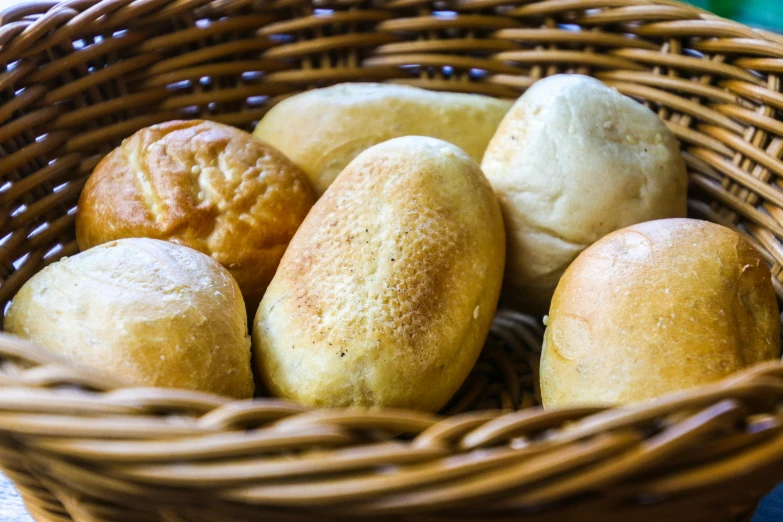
(322, 130)
(388, 289)
(144, 311)
(655, 308)
(572, 161)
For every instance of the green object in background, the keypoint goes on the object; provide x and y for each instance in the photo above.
(765, 14)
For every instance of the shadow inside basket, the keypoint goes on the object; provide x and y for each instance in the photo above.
(506, 375)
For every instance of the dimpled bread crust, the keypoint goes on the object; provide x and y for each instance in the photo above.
(387, 291)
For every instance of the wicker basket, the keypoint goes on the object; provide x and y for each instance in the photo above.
(78, 76)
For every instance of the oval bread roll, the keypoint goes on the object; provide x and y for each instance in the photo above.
(146, 312)
(654, 308)
(572, 161)
(386, 293)
(204, 185)
(322, 130)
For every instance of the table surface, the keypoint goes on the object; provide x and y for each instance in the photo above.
(11, 509)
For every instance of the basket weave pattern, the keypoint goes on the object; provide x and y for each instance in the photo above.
(76, 77)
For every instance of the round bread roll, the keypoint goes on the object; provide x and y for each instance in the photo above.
(146, 312)
(387, 292)
(324, 129)
(654, 308)
(204, 185)
(572, 161)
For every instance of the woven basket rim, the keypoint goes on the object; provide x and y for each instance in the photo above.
(80, 444)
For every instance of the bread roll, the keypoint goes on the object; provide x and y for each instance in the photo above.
(204, 185)
(324, 129)
(572, 161)
(387, 291)
(654, 308)
(143, 311)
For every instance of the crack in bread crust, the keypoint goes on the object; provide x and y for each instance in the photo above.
(143, 179)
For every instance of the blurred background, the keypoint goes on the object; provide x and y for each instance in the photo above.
(766, 14)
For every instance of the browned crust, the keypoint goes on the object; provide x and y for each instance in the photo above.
(201, 184)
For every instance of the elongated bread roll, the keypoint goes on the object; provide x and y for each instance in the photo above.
(387, 291)
(322, 130)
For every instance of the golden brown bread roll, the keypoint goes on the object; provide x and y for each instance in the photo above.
(143, 311)
(387, 291)
(654, 308)
(201, 184)
(322, 130)
(572, 161)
